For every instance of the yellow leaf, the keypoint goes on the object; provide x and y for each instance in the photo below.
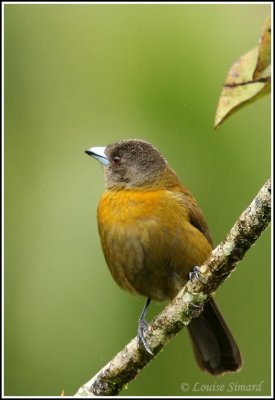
(248, 79)
(264, 57)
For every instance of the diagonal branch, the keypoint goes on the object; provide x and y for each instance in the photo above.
(126, 365)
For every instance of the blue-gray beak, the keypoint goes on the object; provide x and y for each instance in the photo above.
(98, 153)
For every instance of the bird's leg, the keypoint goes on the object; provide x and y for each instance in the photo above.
(143, 326)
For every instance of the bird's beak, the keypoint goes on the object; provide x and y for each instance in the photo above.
(99, 154)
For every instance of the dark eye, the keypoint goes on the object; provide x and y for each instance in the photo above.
(116, 160)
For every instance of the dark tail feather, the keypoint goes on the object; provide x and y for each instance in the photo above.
(214, 346)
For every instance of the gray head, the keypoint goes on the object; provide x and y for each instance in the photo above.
(130, 163)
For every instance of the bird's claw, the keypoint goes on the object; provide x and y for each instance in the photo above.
(142, 328)
(196, 274)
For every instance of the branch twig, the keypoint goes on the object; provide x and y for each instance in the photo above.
(126, 365)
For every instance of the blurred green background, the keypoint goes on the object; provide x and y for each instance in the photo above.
(78, 76)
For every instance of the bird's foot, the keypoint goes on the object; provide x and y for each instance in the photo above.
(142, 328)
(196, 274)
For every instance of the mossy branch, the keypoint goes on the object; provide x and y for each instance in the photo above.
(127, 364)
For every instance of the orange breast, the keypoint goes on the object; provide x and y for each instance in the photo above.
(148, 242)
(126, 206)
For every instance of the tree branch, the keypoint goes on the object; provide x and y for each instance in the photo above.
(188, 304)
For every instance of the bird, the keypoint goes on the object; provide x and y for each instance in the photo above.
(153, 235)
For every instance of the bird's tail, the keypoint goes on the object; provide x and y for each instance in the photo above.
(214, 346)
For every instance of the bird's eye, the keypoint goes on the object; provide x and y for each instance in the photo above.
(116, 160)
